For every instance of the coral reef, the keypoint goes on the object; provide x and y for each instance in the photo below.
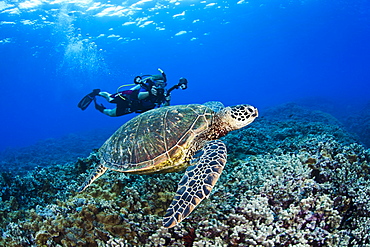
(359, 124)
(294, 178)
(52, 151)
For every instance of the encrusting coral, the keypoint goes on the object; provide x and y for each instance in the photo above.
(297, 179)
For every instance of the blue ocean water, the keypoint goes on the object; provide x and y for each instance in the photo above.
(259, 52)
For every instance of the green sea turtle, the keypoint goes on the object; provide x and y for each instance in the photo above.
(170, 139)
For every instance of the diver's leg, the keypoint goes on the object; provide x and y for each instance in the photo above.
(103, 109)
(110, 112)
(106, 96)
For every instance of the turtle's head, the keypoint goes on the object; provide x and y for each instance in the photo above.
(238, 116)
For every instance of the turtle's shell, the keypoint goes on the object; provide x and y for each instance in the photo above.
(157, 141)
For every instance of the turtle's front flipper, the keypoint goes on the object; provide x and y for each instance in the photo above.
(94, 175)
(197, 182)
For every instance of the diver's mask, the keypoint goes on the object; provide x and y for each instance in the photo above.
(160, 84)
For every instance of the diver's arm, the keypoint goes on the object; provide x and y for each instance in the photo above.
(136, 87)
(166, 103)
(143, 95)
(163, 74)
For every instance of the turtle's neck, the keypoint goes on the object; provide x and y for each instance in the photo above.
(218, 128)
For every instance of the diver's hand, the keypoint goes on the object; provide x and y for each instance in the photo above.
(138, 80)
(168, 97)
(154, 91)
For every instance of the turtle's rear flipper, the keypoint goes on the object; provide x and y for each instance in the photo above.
(197, 182)
(92, 177)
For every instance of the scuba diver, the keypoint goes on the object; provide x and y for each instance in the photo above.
(148, 93)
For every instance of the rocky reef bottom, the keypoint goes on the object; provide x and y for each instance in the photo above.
(294, 177)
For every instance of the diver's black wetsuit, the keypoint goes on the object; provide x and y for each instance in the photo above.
(128, 102)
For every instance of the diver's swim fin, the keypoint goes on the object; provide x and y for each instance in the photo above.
(85, 102)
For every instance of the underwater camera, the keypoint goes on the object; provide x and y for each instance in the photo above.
(160, 91)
